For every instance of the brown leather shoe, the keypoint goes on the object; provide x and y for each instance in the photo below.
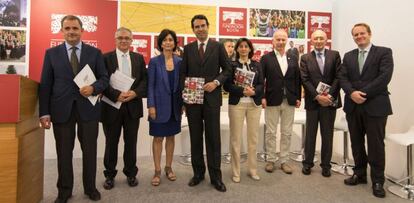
(286, 168)
(270, 167)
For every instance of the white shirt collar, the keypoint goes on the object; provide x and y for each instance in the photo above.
(120, 53)
(205, 42)
(366, 49)
(278, 54)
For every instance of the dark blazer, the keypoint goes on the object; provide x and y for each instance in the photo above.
(275, 82)
(139, 72)
(236, 92)
(58, 91)
(159, 91)
(374, 79)
(311, 76)
(214, 66)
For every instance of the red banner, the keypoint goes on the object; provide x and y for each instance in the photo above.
(142, 44)
(99, 20)
(232, 21)
(321, 21)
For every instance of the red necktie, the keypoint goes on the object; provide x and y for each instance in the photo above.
(201, 51)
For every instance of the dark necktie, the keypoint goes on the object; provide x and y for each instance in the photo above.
(201, 51)
(74, 61)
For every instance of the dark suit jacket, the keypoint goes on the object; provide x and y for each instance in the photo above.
(236, 92)
(275, 82)
(374, 79)
(159, 91)
(58, 91)
(214, 66)
(311, 76)
(139, 72)
(293, 51)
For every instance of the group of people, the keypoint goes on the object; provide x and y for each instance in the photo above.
(12, 44)
(265, 22)
(275, 85)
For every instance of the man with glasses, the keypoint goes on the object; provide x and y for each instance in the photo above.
(127, 116)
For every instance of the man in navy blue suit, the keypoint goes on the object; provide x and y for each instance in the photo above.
(364, 76)
(64, 104)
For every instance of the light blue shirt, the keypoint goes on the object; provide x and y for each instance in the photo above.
(322, 54)
(69, 50)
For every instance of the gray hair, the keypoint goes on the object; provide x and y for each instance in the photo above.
(122, 29)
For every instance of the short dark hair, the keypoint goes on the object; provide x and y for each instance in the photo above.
(199, 17)
(249, 43)
(70, 17)
(163, 34)
(361, 25)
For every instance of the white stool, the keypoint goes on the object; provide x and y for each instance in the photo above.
(185, 157)
(343, 168)
(405, 191)
(299, 156)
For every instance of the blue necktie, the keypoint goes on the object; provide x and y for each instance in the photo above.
(320, 61)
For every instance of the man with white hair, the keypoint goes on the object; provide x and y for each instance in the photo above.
(282, 95)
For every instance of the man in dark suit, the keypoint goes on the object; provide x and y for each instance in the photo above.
(282, 95)
(364, 76)
(205, 58)
(293, 50)
(65, 105)
(320, 67)
(128, 115)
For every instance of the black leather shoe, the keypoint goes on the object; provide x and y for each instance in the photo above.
(326, 172)
(109, 183)
(378, 190)
(306, 170)
(61, 200)
(132, 181)
(195, 181)
(355, 180)
(219, 185)
(94, 196)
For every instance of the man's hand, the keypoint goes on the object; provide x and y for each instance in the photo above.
(264, 103)
(358, 97)
(86, 91)
(152, 113)
(297, 104)
(45, 122)
(324, 100)
(248, 91)
(130, 95)
(210, 86)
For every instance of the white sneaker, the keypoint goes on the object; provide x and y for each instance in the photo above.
(255, 177)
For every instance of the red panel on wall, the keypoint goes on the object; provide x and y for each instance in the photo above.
(321, 21)
(99, 22)
(232, 21)
(142, 45)
(9, 91)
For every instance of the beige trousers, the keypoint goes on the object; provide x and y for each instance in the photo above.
(237, 115)
(272, 114)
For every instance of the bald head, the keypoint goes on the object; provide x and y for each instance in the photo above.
(279, 40)
(318, 40)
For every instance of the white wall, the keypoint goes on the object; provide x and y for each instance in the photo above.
(392, 26)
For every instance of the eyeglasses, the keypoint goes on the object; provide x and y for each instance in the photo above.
(123, 38)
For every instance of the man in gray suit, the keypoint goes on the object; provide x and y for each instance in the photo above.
(205, 58)
(320, 67)
(364, 76)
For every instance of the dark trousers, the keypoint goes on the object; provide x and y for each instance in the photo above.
(325, 117)
(359, 124)
(112, 133)
(202, 118)
(65, 134)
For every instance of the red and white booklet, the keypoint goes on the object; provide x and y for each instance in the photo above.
(193, 92)
(243, 78)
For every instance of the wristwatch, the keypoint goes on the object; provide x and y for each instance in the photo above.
(216, 82)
